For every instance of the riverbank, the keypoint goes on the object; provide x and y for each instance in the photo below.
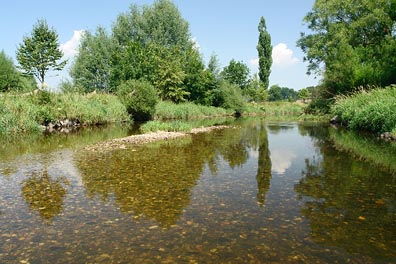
(35, 112)
(45, 111)
(372, 110)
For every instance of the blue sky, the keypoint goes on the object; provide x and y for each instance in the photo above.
(225, 28)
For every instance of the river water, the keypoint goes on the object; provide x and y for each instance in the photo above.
(259, 192)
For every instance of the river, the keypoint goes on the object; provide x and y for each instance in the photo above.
(257, 192)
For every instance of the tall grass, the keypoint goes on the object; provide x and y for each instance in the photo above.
(185, 111)
(26, 113)
(372, 110)
(276, 109)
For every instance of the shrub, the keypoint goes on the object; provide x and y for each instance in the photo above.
(229, 96)
(139, 98)
(372, 111)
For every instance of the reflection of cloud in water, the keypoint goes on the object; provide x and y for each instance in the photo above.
(281, 160)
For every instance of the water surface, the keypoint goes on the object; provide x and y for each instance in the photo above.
(262, 192)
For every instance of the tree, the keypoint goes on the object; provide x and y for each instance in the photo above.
(160, 23)
(11, 79)
(9, 76)
(352, 43)
(236, 73)
(255, 91)
(264, 49)
(40, 52)
(214, 66)
(92, 67)
(304, 94)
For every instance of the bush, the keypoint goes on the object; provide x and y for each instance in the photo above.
(229, 96)
(139, 97)
(372, 111)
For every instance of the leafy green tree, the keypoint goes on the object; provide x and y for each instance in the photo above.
(236, 73)
(40, 52)
(199, 82)
(229, 96)
(9, 77)
(92, 67)
(304, 94)
(277, 93)
(352, 43)
(264, 49)
(255, 91)
(214, 66)
(160, 23)
(154, 43)
(139, 97)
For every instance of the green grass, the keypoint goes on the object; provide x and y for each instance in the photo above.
(186, 111)
(173, 126)
(372, 110)
(183, 125)
(272, 109)
(26, 113)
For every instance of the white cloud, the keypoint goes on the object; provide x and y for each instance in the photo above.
(254, 62)
(196, 44)
(283, 56)
(70, 48)
(281, 160)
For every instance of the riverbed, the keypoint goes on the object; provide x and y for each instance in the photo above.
(254, 192)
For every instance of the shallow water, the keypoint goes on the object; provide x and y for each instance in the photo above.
(263, 192)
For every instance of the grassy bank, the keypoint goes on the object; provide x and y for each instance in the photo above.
(27, 113)
(186, 116)
(275, 109)
(187, 111)
(372, 110)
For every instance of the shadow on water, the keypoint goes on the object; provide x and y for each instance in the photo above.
(45, 194)
(350, 204)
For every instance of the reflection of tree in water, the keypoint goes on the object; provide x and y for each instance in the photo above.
(44, 195)
(349, 204)
(264, 167)
(155, 180)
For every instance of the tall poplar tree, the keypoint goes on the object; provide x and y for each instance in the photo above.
(264, 49)
(40, 52)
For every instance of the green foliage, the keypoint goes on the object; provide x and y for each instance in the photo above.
(40, 52)
(19, 114)
(371, 111)
(166, 110)
(236, 73)
(275, 109)
(214, 66)
(264, 49)
(277, 93)
(160, 23)
(139, 98)
(255, 91)
(352, 44)
(229, 96)
(304, 94)
(92, 67)
(174, 126)
(11, 79)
